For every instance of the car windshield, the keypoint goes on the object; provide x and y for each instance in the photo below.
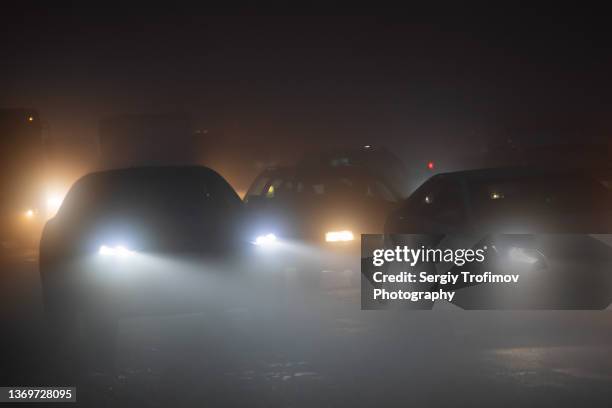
(167, 194)
(327, 187)
(350, 186)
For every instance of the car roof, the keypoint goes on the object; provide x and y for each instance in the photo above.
(151, 172)
(513, 172)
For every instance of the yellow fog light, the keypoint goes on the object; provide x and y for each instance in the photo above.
(339, 236)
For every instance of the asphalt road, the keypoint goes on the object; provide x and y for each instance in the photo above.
(317, 349)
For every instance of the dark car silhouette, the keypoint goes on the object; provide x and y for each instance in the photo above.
(319, 205)
(309, 219)
(140, 240)
(553, 225)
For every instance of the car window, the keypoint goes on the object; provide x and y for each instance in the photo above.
(257, 187)
(337, 186)
(280, 187)
(164, 194)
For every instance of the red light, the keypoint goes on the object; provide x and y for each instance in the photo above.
(430, 165)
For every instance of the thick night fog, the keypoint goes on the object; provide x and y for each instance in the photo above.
(242, 210)
(294, 82)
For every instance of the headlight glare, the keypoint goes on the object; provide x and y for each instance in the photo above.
(117, 250)
(265, 240)
(339, 236)
(54, 202)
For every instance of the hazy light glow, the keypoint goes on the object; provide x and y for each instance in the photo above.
(339, 236)
(521, 255)
(265, 240)
(117, 250)
(54, 202)
(29, 214)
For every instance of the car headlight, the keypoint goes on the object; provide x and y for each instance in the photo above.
(117, 251)
(339, 236)
(265, 240)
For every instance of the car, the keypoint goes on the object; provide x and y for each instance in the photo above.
(312, 217)
(150, 240)
(555, 220)
(317, 205)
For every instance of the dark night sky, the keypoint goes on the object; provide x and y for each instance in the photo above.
(410, 83)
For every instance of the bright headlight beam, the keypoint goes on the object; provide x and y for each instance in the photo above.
(118, 250)
(104, 250)
(339, 236)
(264, 240)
